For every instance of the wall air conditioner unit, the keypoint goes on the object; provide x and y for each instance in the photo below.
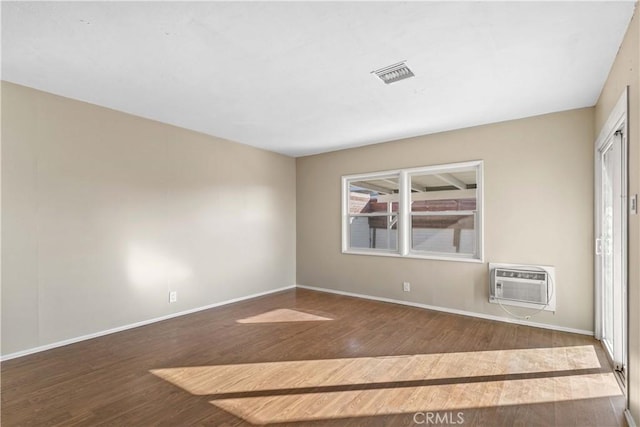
(528, 286)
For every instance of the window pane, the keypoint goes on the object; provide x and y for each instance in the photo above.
(374, 195)
(443, 233)
(374, 232)
(448, 191)
(444, 191)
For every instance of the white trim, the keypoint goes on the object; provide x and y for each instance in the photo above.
(452, 310)
(617, 114)
(414, 255)
(629, 418)
(136, 325)
(480, 210)
(404, 208)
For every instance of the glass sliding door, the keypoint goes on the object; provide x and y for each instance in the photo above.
(611, 247)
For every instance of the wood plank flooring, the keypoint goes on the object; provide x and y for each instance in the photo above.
(313, 359)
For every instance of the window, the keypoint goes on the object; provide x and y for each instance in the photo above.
(429, 212)
(373, 213)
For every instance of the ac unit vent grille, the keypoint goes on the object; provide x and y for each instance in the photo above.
(527, 286)
(526, 292)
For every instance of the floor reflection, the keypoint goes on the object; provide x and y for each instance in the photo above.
(283, 315)
(361, 403)
(222, 379)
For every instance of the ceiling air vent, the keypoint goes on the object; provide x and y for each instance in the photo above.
(394, 73)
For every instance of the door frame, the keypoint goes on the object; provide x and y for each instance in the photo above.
(617, 120)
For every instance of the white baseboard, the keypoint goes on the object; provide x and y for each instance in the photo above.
(333, 291)
(136, 325)
(630, 421)
(452, 310)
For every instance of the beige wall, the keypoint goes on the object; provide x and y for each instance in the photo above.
(104, 213)
(538, 209)
(625, 72)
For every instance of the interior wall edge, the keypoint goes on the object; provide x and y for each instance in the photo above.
(69, 341)
(451, 310)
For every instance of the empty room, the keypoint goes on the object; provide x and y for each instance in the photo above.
(320, 213)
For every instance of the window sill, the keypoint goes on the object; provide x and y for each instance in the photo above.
(413, 255)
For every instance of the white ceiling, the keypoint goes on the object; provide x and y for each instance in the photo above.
(294, 77)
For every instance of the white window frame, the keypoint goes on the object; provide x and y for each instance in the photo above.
(404, 213)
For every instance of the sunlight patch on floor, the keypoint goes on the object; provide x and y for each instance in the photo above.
(210, 380)
(283, 315)
(448, 397)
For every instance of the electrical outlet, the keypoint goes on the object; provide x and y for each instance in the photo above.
(633, 206)
(173, 296)
(406, 286)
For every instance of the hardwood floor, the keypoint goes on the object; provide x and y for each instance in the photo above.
(307, 358)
